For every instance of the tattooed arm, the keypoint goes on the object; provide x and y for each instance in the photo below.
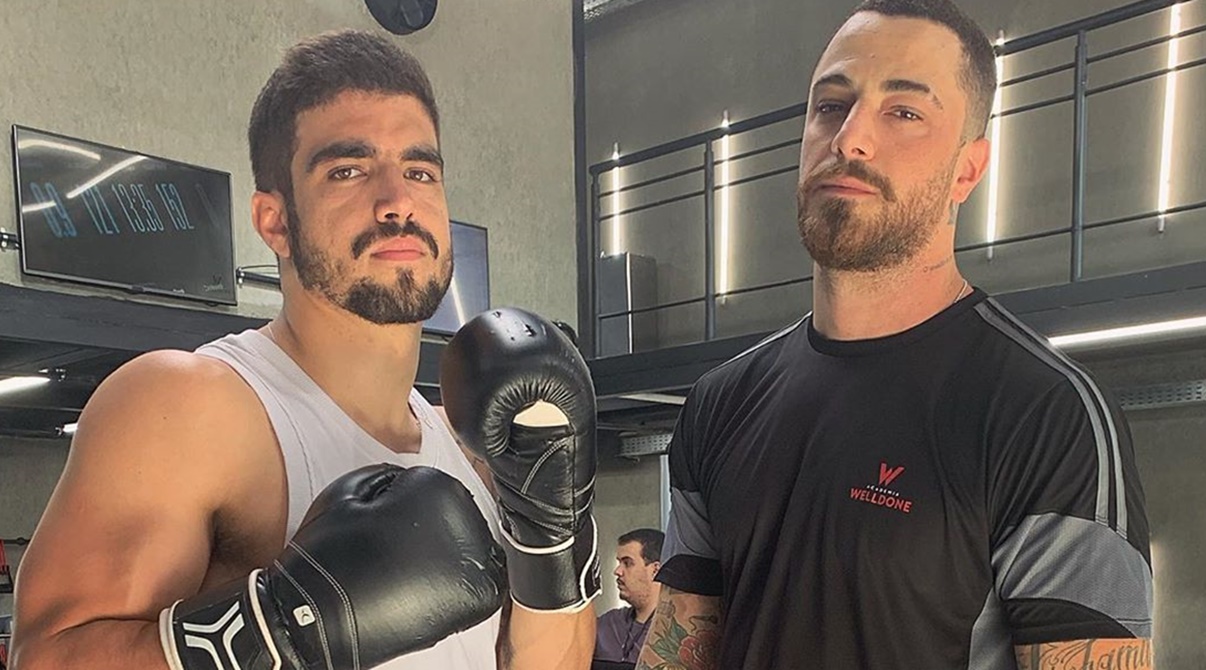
(684, 633)
(1122, 654)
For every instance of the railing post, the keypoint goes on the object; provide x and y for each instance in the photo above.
(709, 241)
(1080, 151)
(593, 254)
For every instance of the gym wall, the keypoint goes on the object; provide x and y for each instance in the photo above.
(178, 80)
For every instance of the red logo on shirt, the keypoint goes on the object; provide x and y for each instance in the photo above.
(888, 475)
(881, 495)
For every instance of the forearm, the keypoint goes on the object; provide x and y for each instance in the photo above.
(96, 645)
(548, 641)
(684, 635)
(1121, 654)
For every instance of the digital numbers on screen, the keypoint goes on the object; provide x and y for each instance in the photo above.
(98, 209)
(174, 205)
(58, 220)
(140, 207)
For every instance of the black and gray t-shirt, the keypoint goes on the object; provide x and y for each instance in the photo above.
(925, 500)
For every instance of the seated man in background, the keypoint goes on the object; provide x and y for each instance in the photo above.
(621, 631)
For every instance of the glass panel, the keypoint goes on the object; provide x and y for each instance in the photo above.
(762, 311)
(1018, 266)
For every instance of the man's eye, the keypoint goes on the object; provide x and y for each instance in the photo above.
(907, 115)
(420, 175)
(829, 107)
(345, 173)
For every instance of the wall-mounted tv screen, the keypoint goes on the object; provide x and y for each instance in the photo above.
(110, 217)
(469, 293)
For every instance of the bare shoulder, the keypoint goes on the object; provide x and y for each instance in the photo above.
(176, 386)
(171, 409)
(164, 375)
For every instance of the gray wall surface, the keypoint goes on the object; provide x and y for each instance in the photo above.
(178, 80)
(666, 69)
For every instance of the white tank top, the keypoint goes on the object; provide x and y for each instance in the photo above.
(321, 443)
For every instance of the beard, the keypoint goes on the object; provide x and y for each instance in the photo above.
(839, 237)
(405, 300)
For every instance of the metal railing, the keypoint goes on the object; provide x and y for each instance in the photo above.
(704, 142)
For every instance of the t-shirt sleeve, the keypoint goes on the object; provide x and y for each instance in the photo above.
(690, 562)
(1070, 552)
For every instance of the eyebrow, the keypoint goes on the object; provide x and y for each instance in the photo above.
(340, 149)
(910, 86)
(840, 80)
(890, 86)
(424, 153)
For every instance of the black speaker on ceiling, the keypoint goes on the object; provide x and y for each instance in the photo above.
(402, 17)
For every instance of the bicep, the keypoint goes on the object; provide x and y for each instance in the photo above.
(684, 633)
(1134, 654)
(128, 527)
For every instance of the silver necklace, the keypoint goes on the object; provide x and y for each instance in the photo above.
(959, 295)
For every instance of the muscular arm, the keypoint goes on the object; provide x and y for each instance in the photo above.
(684, 633)
(128, 529)
(1124, 654)
(546, 641)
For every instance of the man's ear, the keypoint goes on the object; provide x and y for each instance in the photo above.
(270, 217)
(973, 163)
(657, 565)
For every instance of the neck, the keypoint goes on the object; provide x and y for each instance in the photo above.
(866, 305)
(644, 610)
(367, 369)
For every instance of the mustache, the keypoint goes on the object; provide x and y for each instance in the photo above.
(856, 170)
(391, 229)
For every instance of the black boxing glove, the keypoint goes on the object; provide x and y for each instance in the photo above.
(387, 561)
(497, 369)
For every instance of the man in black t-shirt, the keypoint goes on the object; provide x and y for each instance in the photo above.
(908, 478)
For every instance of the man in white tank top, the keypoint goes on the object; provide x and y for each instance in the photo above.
(190, 469)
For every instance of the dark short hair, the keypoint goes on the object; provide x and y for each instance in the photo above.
(312, 74)
(979, 74)
(650, 541)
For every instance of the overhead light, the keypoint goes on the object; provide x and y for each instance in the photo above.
(722, 275)
(105, 175)
(994, 170)
(462, 316)
(15, 384)
(616, 231)
(60, 146)
(69, 429)
(30, 209)
(1129, 332)
(1164, 198)
(659, 398)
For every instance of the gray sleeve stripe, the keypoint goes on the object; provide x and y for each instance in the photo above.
(762, 343)
(1066, 558)
(689, 531)
(1100, 416)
